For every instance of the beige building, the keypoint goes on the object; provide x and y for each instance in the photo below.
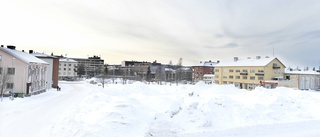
(250, 73)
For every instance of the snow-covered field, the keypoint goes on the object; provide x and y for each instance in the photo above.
(81, 109)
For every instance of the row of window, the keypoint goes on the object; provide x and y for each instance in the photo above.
(75, 65)
(10, 71)
(243, 70)
(242, 77)
(66, 69)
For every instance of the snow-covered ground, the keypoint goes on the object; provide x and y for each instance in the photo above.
(81, 109)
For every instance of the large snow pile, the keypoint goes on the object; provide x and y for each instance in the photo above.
(139, 109)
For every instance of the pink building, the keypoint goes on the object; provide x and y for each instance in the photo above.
(27, 73)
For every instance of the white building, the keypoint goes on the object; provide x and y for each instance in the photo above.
(208, 78)
(303, 80)
(67, 69)
(28, 73)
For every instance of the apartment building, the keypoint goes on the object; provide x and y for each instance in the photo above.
(92, 65)
(303, 80)
(199, 71)
(52, 69)
(27, 74)
(250, 73)
(67, 69)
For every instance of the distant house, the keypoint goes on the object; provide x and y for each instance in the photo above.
(250, 73)
(208, 78)
(199, 71)
(52, 69)
(28, 72)
(303, 80)
(67, 69)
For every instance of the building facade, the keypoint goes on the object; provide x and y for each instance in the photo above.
(302, 80)
(67, 69)
(92, 65)
(206, 67)
(27, 73)
(250, 73)
(53, 68)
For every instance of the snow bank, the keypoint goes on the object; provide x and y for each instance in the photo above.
(152, 110)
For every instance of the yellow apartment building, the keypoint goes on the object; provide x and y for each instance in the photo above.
(250, 73)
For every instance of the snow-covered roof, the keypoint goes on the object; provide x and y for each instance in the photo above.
(42, 55)
(247, 62)
(26, 57)
(208, 75)
(209, 64)
(67, 60)
(301, 72)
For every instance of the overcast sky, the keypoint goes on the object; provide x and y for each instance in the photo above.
(165, 30)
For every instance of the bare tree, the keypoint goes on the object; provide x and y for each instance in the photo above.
(103, 77)
(4, 79)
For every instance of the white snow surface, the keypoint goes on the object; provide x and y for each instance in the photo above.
(81, 109)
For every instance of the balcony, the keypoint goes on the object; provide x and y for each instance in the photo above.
(243, 73)
(276, 67)
(259, 73)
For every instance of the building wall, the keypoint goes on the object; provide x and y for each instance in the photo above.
(55, 72)
(67, 70)
(247, 77)
(199, 71)
(49, 79)
(33, 73)
(21, 67)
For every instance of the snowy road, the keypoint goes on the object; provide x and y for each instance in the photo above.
(25, 118)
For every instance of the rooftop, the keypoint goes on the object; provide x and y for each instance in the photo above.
(247, 62)
(26, 57)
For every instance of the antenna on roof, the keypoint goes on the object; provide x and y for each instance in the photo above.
(273, 51)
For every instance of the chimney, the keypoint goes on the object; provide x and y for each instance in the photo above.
(258, 57)
(249, 57)
(11, 47)
(30, 51)
(1, 46)
(235, 58)
(22, 50)
(218, 61)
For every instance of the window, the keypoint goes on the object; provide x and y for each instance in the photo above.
(260, 70)
(59, 64)
(70, 65)
(260, 78)
(230, 77)
(65, 64)
(64, 69)
(216, 76)
(0, 70)
(237, 77)
(225, 70)
(244, 70)
(216, 70)
(225, 76)
(252, 77)
(252, 71)
(9, 85)
(225, 82)
(69, 69)
(11, 71)
(238, 70)
(244, 77)
(230, 70)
